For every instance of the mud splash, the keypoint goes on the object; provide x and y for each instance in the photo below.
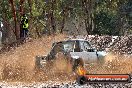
(114, 64)
(19, 64)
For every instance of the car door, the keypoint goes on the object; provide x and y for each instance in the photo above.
(86, 52)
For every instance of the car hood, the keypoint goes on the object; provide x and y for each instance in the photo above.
(102, 53)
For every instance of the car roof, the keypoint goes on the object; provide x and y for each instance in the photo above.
(69, 40)
(72, 40)
(78, 39)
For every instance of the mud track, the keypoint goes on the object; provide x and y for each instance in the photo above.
(18, 66)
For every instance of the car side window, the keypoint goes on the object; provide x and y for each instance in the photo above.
(84, 46)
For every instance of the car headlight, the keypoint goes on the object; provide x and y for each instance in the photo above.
(102, 53)
(75, 57)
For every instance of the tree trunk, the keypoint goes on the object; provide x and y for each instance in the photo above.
(21, 7)
(63, 20)
(48, 23)
(0, 36)
(30, 7)
(87, 7)
(120, 20)
(52, 17)
(15, 19)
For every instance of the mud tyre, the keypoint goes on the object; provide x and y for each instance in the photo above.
(81, 80)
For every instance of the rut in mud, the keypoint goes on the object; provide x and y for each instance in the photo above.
(19, 64)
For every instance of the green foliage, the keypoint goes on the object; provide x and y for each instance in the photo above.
(106, 15)
(37, 7)
(105, 23)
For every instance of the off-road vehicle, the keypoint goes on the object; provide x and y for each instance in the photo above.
(76, 52)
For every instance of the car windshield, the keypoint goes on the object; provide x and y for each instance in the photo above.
(65, 46)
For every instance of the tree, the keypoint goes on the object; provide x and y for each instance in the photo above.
(88, 8)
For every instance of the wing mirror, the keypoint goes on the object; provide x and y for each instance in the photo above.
(94, 49)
